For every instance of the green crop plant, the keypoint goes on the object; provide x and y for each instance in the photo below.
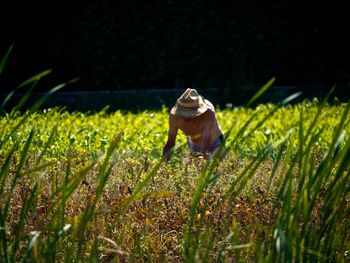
(80, 187)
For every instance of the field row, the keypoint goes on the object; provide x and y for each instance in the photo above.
(69, 191)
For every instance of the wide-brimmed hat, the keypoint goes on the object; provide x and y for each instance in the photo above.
(189, 105)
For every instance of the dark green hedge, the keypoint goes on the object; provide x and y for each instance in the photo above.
(115, 45)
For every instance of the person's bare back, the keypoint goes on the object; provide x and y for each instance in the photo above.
(199, 123)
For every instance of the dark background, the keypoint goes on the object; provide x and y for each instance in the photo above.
(123, 45)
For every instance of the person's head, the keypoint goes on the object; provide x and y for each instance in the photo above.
(189, 105)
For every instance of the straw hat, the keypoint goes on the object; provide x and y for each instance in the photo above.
(189, 105)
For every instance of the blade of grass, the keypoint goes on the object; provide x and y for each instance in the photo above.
(261, 91)
(103, 175)
(23, 99)
(35, 78)
(291, 98)
(32, 248)
(43, 98)
(27, 203)
(33, 109)
(52, 137)
(4, 211)
(4, 171)
(282, 150)
(323, 172)
(207, 170)
(5, 58)
(66, 189)
(23, 157)
(237, 185)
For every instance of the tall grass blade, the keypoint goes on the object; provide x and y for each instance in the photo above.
(52, 137)
(301, 141)
(103, 175)
(282, 148)
(291, 98)
(5, 58)
(18, 171)
(32, 248)
(319, 111)
(5, 208)
(23, 99)
(35, 78)
(43, 98)
(4, 171)
(33, 109)
(27, 203)
(210, 167)
(261, 91)
(141, 185)
(65, 191)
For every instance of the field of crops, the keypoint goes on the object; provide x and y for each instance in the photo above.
(93, 187)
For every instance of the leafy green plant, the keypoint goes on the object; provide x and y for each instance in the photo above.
(71, 190)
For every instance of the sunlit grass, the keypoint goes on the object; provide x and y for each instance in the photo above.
(63, 193)
(93, 187)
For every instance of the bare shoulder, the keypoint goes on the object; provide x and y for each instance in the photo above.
(173, 119)
(210, 113)
(210, 105)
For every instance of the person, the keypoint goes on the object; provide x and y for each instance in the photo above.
(196, 117)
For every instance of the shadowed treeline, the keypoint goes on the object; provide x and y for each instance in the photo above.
(165, 44)
(155, 99)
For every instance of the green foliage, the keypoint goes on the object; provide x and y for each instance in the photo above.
(93, 186)
(52, 160)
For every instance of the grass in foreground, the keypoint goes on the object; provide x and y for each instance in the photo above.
(70, 192)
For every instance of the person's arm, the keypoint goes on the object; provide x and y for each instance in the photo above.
(171, 139)
(206, 134)
(205, 142)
